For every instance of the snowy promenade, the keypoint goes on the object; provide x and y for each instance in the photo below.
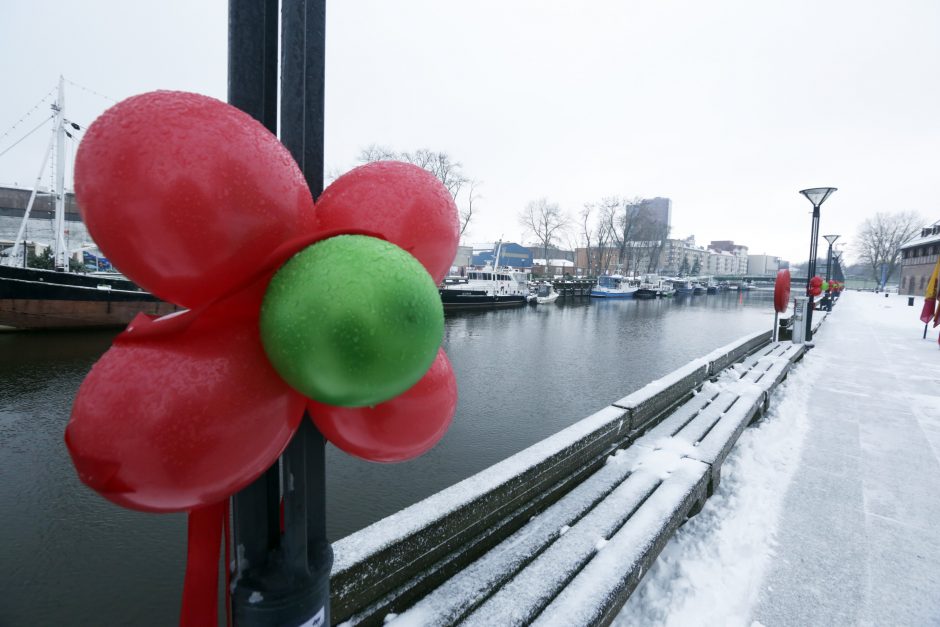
(829, 511)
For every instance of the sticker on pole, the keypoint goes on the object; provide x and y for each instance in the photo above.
(782, 291)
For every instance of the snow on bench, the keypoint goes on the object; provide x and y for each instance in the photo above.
(460, 554)
(713, 423)
(591, 548)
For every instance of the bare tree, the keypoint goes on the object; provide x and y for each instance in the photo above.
(880, 238)
(447, 171)
(466, 212)
(545, 220)
(620, 216)
(585, 217)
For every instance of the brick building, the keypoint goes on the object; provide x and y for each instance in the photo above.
(918, 258)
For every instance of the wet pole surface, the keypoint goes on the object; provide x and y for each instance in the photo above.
(284, 577)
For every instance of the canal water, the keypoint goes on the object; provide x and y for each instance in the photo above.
(69, 557)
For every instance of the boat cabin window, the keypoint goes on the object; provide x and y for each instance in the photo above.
(608, 281)
(544, 290)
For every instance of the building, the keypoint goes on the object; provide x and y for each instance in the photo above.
(738, 250)
(636, 258)
(918, 258)
(510, 254)
(462, 260)
(721, 263)
(552, 252)
(765, 265)
(40, 228)
(556, 268)
(656, 210)
(681, 256)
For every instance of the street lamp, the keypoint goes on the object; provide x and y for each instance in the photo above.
(832, 240)
(817, 196)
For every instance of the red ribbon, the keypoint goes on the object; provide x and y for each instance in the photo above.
(201, 585)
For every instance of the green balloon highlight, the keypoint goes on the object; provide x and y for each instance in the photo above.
(352, 321)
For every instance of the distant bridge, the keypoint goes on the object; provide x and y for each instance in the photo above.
(758, 278)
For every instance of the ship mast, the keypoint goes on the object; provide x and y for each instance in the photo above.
(18, 252)
(61, 251)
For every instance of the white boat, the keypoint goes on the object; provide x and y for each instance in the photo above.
(544, 294)
(655, 287)
(682, 287)
(615, 286)
(487, 288)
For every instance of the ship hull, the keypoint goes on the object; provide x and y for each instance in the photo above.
(459, 299)
(39, 299)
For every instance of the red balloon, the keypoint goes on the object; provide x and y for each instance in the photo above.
(782, 291)
(398, 202)
(180, 413)
(183, 193)
(815, 286)
(396, 430)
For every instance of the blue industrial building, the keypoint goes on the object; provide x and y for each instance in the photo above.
(511, 254)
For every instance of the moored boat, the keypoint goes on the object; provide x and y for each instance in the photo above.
(488, 288)
(683, 287)
(654, 287)
(32, 299)
(545, 294)
(615, 286)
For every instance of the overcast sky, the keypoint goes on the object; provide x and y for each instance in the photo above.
(726, 107)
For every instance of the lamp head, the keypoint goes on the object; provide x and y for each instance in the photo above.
(818, 195)
(831, 238)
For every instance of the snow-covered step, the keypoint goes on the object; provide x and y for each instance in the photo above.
(503, 545)
(735, 399)
(622, 535)
(598, 592)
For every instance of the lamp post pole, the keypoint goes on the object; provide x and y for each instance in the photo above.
(817, 196)
(283, 558)
(831, 239)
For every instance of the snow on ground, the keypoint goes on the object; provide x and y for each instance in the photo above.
(708, 573)
(826, 513)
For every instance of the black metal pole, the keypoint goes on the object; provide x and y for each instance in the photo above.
(829, 278)
(252, 87)
(283, 578)
(303, 52)
(811, 271)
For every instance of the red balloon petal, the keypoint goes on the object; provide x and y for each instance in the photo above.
(782, 291)
(396, 430)
(183, 193)
(398, 202)
(180, 413)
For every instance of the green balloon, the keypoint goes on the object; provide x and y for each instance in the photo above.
(352, 321)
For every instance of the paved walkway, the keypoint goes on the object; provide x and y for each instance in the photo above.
(858, 541)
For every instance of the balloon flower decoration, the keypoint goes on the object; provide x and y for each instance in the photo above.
(815, 286)
(285, 305)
